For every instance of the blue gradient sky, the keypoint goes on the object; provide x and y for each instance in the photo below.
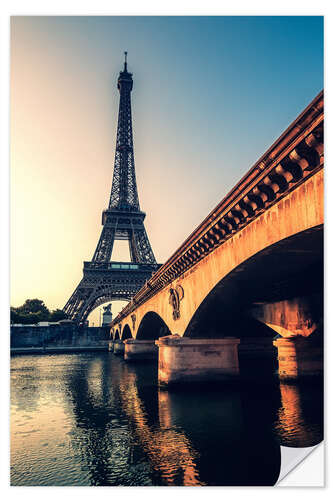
(210, 95)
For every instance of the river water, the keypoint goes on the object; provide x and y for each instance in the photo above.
(91, 419)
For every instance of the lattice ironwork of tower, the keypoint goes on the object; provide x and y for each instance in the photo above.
(105, 280)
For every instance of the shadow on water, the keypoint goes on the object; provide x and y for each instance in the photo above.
(125, 431)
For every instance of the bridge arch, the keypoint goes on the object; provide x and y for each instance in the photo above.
(126, 333)
(152, 327)
(96, 301)
(283, 273)
(116, 334)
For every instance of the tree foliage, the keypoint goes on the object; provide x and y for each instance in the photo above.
(33, 311)
(57, 315)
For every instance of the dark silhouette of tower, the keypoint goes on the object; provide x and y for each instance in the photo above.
(104, 280)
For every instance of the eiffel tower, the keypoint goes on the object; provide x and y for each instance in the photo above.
(105, 280)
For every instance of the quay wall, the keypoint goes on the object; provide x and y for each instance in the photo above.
(57, 335)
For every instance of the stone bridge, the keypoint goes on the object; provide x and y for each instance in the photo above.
(248, 280)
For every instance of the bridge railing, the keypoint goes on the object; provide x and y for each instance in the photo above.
(296, 155)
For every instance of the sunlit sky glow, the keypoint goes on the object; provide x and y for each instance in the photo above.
(210, 95)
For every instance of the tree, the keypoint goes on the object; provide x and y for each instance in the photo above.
(33, 311)
(15, 317)
(35, 306)
(57, 315)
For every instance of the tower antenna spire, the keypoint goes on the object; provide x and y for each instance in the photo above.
(125, 63)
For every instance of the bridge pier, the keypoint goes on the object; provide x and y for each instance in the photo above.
(298, 357)
(118, 347)
(111, 345)
(137, 350)
(184, 360)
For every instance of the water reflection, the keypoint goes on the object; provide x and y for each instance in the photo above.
(299, 420)
(25, 390)
(102, 435)
(94, 420)
(169, 451)
(233, 446)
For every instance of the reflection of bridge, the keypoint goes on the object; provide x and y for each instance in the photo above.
(173, 440)
(251, 270)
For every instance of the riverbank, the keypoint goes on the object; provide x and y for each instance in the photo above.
(60, 349)
(62, 337)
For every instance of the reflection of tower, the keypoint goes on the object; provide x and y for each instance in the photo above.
(107, 315)
(96, 433)
(104, 280)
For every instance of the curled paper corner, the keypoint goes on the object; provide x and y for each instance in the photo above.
(292, 458)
